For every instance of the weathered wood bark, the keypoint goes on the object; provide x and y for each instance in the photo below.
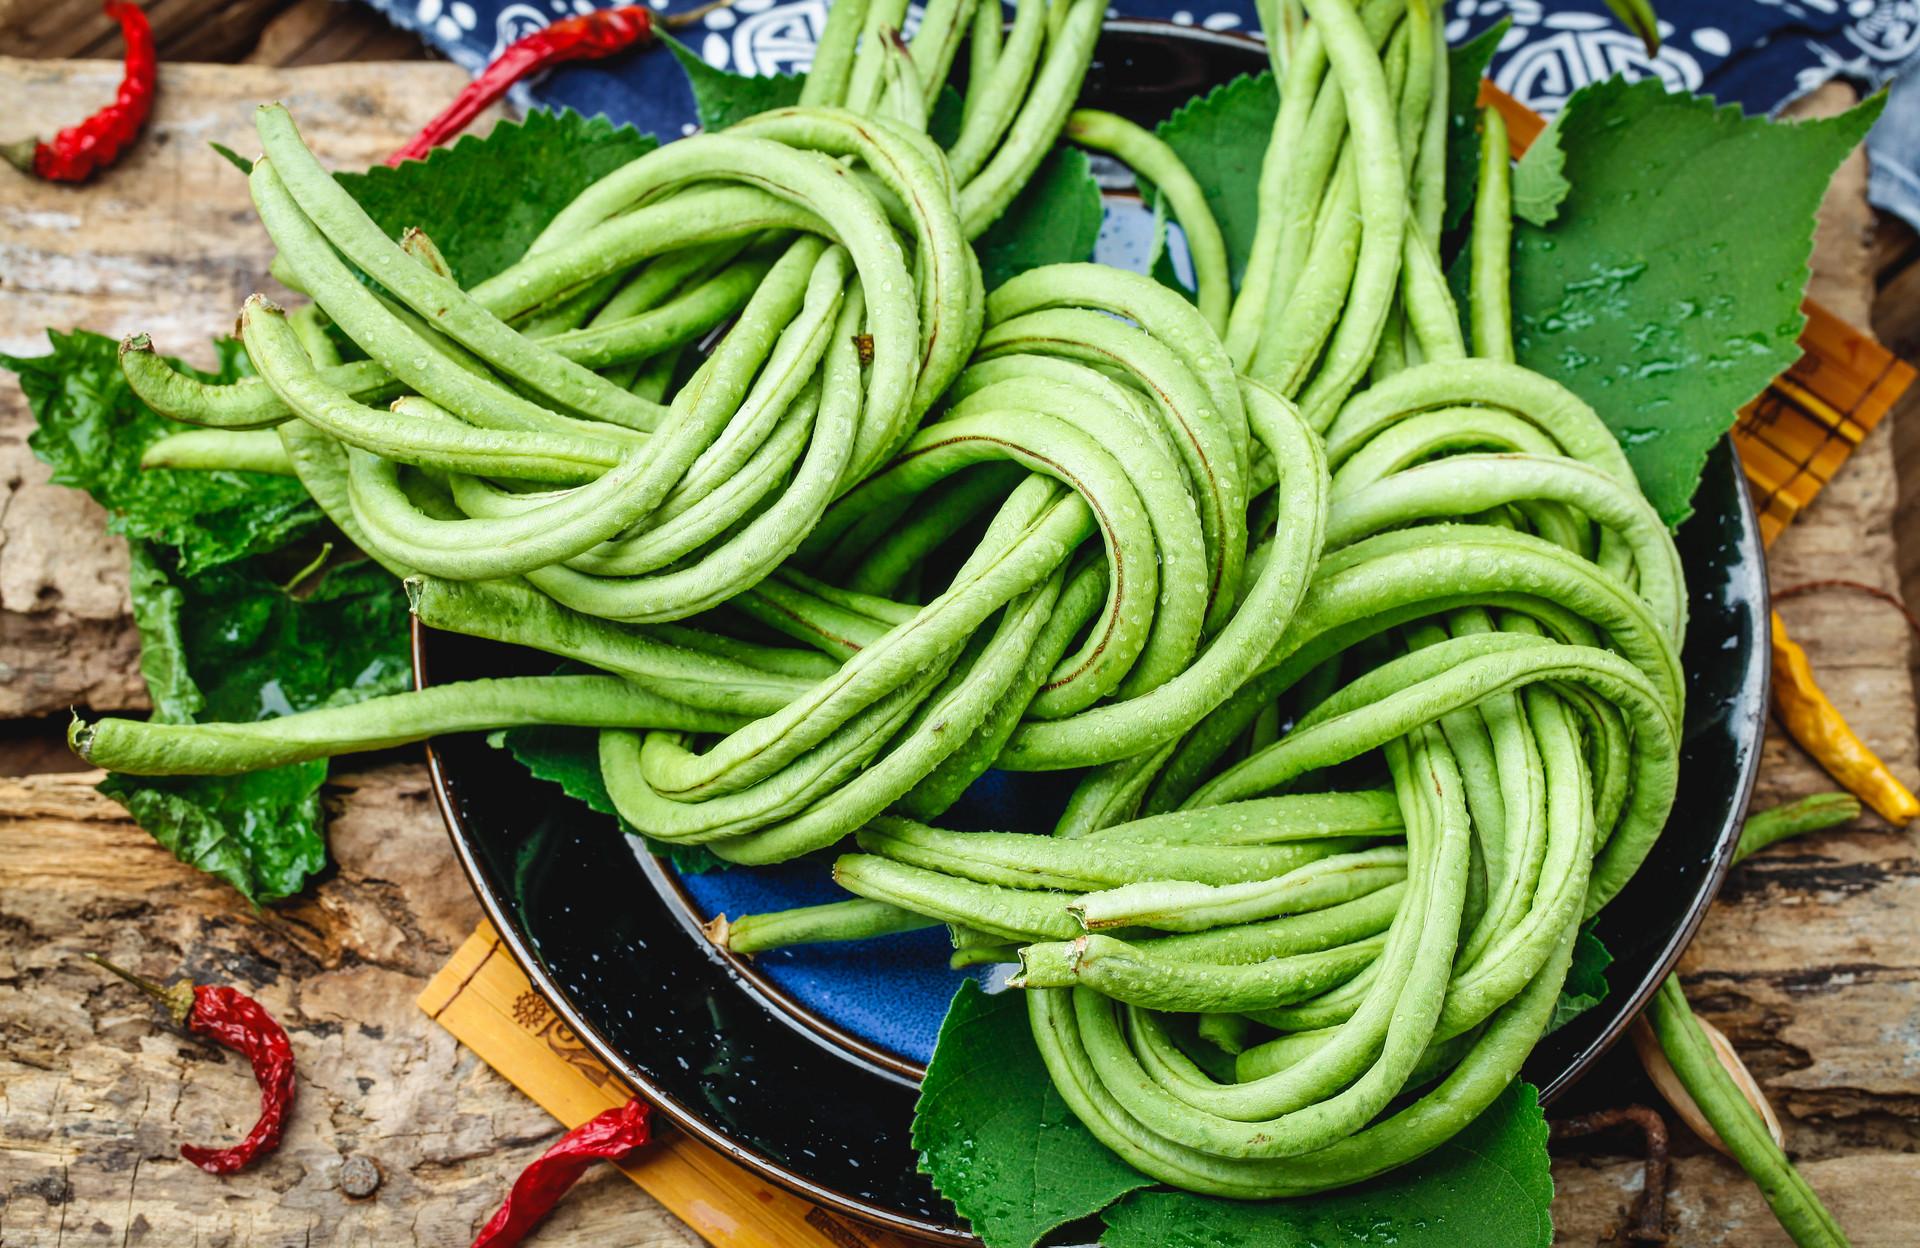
(212, 30)
(165, 242)
(1804, 963)
(99, 1094)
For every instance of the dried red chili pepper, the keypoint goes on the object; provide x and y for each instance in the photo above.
(74, 153)
(607, 1137)
(587, 37)
(231, 1018)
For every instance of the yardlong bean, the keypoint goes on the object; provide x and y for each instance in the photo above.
(1370, 647)
(1507, 611)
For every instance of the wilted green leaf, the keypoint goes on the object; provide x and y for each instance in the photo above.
(231, 644)
(260, 832)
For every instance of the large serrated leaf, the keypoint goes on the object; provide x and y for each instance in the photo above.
(1667, 291)
(484, 200)
(1222, 139)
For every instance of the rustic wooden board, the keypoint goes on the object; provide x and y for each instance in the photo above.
(98, 1096)
(1806, 963)
(165, 242)
(270, 32)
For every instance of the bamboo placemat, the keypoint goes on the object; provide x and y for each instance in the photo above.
(486, 1001)
(1795, 436)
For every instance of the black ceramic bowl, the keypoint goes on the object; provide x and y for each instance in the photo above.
(720, 1055)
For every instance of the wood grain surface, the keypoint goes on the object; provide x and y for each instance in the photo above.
(165, 242)
(266, 32)
(1807, 962)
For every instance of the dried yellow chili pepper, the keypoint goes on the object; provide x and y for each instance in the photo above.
(1813, 721)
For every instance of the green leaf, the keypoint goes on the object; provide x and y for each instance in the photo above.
(232, 157)
(230, 644)
(483, 201)
(721, 98)
(1586, 984)
(570, 758)
(995, 1136)
(157, 602)
(1488, 1187)
(257, 651)
(1539, 178)
(1055, 219)
(92, 429)
(943, 123)
(1222, 138)
(1466, 65)
(260, 832)
(1667, 293)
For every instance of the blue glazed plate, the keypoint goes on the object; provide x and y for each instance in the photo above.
(803, 1066)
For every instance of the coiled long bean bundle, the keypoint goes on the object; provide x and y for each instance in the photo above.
(1130, 432)
(831, 234)
(812, 226)
(1495, 615)
(1370, 647)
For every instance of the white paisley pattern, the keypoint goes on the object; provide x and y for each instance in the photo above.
(1551, 50)
(1549, 54)
(760, 37)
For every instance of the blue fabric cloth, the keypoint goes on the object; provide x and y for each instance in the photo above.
(891, 991)
(1760, 54)
(1893, 150)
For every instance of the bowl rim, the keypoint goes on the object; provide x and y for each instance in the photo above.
(508, 931)
(1754, 691)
